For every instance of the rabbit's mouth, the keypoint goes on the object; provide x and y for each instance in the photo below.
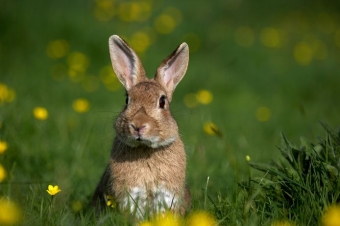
(152, 142)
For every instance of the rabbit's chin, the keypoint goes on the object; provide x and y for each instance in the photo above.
(152, 142)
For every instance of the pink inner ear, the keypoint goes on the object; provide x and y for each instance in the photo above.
(169, 73)
(124, 64)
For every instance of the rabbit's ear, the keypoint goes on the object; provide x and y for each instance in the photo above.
(125, 62)
(173, 68)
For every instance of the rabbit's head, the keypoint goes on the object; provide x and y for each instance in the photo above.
(146, 119)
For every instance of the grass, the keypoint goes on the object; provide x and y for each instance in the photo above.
(263, 82)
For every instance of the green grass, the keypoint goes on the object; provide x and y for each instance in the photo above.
(71, 149)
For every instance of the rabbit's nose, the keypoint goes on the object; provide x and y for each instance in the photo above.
(139, 129)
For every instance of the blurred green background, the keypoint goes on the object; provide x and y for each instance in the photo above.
(257, 68)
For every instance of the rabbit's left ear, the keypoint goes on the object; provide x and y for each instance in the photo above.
(173, 68)
(125, 62)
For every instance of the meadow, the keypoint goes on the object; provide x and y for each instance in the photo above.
(257, 70)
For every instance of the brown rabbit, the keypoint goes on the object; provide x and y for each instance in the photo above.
(146, 170)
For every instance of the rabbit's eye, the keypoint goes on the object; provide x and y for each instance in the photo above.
(162, 101)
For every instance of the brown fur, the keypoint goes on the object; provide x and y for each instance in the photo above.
(147, 152)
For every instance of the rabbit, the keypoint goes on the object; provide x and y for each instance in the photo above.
(147, 167)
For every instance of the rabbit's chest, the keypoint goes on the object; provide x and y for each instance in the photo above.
(149, 174)
(142, 186)
(143, 200)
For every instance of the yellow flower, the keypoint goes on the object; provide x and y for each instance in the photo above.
(40, 113)
(10, 213)
(270, 37)
(110, 201)
(104, 10)
(76, 206)
(52, 190)
(78, 62)
(201, 218)
(204, 96)
(2, 173)
(263, 114)
(140, 41)
(134, 11)
(331, 216)
(109, 78)
(210, 128)
(303, 53)
(248, 158)
(81, 105)
(167, 219)
(190, 100)
(6, 94)
(165, 24)
(3, 146)
(57, 49)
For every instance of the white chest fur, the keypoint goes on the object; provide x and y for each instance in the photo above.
(142, 201)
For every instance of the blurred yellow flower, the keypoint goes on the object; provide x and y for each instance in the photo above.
(78, 61)
(10, 213)
(6, 94)
(190, 100)
(166, 219)
(282, 223)
(210, 128)
(331, 216)
(303, 53)
(134, 11)
(81, 105)
(244, 36)
(53, 190)
(140, 41)
(165, 24)
(109, 78)
(77, 65)
(168, 20)
(263, 114)
(76, 206)
(247, 158)
(270, 37)
(40, 113)
(57, 49)
(204, 96)
(3, 146)
(3, 173)
(201, 218)
(104, 10)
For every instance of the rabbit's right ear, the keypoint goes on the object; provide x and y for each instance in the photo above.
(173, 68)
(125, 62)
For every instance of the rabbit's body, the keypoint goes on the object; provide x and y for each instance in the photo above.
(150, 178)
(146, 171)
